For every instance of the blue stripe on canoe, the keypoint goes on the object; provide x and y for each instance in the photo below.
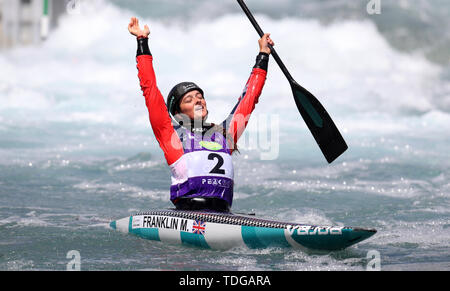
(194, 239)
(148, 233)
(261, 237)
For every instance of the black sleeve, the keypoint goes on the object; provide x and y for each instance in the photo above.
(142, 47)
(262, 61)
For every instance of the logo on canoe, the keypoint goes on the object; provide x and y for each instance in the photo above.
(211, 145)
(314, 230)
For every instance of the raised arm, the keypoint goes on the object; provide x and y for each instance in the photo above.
(240, 115)
(159, 117)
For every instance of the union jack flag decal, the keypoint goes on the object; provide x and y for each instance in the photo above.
(198, 227)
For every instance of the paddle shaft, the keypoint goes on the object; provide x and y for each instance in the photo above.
(314, 114)
(261, 33)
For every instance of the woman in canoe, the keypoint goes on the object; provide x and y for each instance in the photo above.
(197, 152)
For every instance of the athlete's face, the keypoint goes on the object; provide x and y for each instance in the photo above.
(194, 105)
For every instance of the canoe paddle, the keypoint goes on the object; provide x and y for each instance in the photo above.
(314, 114)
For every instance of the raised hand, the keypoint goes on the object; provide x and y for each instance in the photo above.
(134, 29)
(264, 43)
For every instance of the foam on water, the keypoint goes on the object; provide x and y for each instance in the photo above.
(348, 65)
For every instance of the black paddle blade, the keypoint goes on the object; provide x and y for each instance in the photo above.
(316, 117)
(319, 123)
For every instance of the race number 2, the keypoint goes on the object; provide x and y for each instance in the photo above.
(217, 168)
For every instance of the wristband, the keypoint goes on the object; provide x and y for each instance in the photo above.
(142, 46)
(262, 61)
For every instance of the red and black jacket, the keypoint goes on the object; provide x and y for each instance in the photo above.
(160, 119)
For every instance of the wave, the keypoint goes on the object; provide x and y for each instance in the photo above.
(410, 26)
(85, 73)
